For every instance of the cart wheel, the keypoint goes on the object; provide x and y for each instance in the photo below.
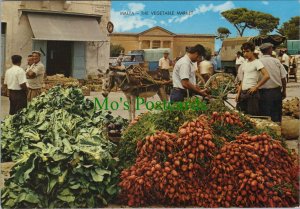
(220, 85)
(201, 84)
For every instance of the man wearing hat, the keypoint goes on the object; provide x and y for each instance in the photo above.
(35, 76)
(184, 78)
(165, 64)
(274, 90)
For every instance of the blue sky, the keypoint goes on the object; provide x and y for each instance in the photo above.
(204, 16)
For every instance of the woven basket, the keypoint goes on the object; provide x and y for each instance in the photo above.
(86, 92)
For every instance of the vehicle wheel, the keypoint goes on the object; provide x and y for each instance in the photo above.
(220, 85)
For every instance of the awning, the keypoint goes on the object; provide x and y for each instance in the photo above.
(65, 27)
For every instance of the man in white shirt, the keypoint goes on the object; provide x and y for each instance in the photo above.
(15, 80)
(274, 90)
(248, 95)
(164, 65)
(184, 79)
(285, 60)
(30, 62)
(239, 60)
(35, 76)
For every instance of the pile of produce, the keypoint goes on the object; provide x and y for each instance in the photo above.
(93, 82)
(171, 120)
(169, 169)
(63, 157)
(252, 171)
(266, 123)
(139, 76)
(197, 168)
(116, 126)
(291, 107)
(60, 79)
(94, 86)
(147, 124)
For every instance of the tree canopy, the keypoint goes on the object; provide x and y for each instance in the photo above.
(291, 28)
(223, 33)
(115, 50)
(243, 18)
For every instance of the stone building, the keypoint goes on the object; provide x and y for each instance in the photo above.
(71, 35)
(158, 37)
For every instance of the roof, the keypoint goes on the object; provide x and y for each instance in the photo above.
(162, 29)
(234, 41)
(156, 27)
(196, 35)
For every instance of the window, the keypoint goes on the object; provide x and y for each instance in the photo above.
(167, 44)
(3, 28)
(155, 44)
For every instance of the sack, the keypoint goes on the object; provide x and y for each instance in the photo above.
(290, 127)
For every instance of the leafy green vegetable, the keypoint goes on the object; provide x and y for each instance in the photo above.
(63, 157)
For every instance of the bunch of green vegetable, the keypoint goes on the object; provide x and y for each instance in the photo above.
(62, 152)
(32, 124)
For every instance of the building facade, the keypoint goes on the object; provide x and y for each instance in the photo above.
(71, 35)
(158, 37)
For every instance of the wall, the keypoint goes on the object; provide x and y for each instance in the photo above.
(128, 42)
(180, 43)
(177, 43)
(19, 34)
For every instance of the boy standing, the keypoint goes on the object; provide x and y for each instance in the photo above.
(248, 95)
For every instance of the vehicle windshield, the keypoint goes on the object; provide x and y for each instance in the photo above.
(133, 58)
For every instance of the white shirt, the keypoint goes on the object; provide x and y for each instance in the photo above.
(164, 63)
(251, 71)
(14, 77)
(38, 81)
(275, 70)
(286, 59)
(239, 60)
(206, 67)
(183, 69)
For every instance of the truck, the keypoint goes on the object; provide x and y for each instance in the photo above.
(293, 47)
(148, 58)
(231, 46)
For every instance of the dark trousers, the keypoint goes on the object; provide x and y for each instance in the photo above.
(287, 70)
(178, 95)
(165, 74)
(270, 103)
(18, 100)
(249, 103)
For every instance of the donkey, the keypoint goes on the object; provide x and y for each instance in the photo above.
(112, 78)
